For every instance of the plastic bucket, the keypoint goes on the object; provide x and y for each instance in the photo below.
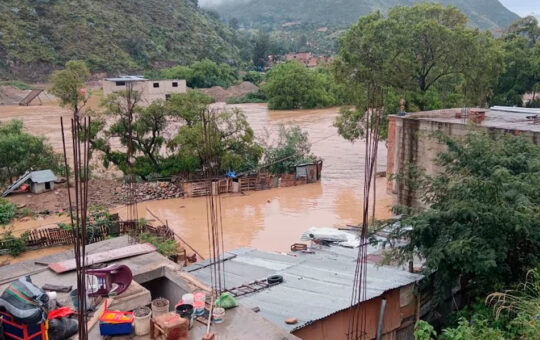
(141, 321)
(185, 311)
(198, 307)
(188, 299)
(199, 296)
(218, 315)
(160, 306)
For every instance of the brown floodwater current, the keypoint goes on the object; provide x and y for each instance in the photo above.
(269, 220)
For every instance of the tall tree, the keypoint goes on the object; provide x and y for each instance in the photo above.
(261, 48)
(418, 52)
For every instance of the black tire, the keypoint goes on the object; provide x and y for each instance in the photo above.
(274, 279)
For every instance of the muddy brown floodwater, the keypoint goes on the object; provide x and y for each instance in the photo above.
(272, 219)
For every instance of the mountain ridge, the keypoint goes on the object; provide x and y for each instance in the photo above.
(484, 14)
(37, 36)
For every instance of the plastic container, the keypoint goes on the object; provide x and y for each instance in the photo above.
(115, 323)
(218, 315)
(188, 299)
(14, 330)
(75, 300)
(199, 296)
(160, 306)
(198, 307)
(141, 317)
(115, 328)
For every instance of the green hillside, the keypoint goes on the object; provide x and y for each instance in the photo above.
(37, 36)
(485, 14)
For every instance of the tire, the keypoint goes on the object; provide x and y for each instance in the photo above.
(274, 279)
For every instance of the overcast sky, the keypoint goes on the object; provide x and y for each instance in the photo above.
(523, 7)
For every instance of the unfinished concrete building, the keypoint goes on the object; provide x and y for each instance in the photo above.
(150, 90)
(410, 139)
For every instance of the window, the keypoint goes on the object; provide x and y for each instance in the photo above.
(175, 84)
(120, 83)
(156, 85)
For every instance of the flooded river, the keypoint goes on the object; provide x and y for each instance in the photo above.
(272, 219)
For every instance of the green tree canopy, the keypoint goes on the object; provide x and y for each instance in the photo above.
(482, 222)
(424, 53)
(201, 74)
(20, 151)
(522, 60)
(292, 148)
(217, 140)
(68, 83)
(293, 86)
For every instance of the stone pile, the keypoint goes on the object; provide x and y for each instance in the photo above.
(154, 191)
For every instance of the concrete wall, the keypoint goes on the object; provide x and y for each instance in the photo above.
(410, 142)
(399, 316)
(148, 89)
(38, 188)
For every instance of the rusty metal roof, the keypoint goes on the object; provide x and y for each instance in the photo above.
(314, 287)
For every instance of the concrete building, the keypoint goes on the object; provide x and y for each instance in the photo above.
(150, 89)
(410, 141)
(316, 290)
(153, 276)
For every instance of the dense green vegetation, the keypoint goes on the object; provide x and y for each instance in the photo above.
(416, 53)
(508, 315)
(292, 148)
(20, 151)
(37, 36)
(521, 75)
(200, 74)
(293, 86)
(482, 223)
(7, 211)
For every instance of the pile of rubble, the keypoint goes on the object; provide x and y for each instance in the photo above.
(148, 191)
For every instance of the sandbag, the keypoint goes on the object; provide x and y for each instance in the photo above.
(63, 328)
(25, 302)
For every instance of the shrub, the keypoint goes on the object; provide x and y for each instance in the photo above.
(7, 211)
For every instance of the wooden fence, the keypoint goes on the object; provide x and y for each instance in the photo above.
(50, 237)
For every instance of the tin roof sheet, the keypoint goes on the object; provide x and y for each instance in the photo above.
(314, 285)
(42, 176)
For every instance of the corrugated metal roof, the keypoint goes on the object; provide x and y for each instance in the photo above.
(42, 176)
(314, 286)
(127, 78)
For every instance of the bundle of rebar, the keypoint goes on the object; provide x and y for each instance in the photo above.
(372, 122)
(78, 206)
(216, 246)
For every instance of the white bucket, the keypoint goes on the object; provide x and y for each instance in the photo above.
(142, 323)
(158, 309)
(188, 299)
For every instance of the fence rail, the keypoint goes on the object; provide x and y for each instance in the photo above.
(50, 237)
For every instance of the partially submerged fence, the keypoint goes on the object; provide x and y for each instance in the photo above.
(50, 237)
(307, 173)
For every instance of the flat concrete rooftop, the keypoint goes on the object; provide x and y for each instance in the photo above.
(498, 117)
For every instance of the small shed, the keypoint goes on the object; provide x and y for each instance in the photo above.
(310, 171)
(40, 181)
